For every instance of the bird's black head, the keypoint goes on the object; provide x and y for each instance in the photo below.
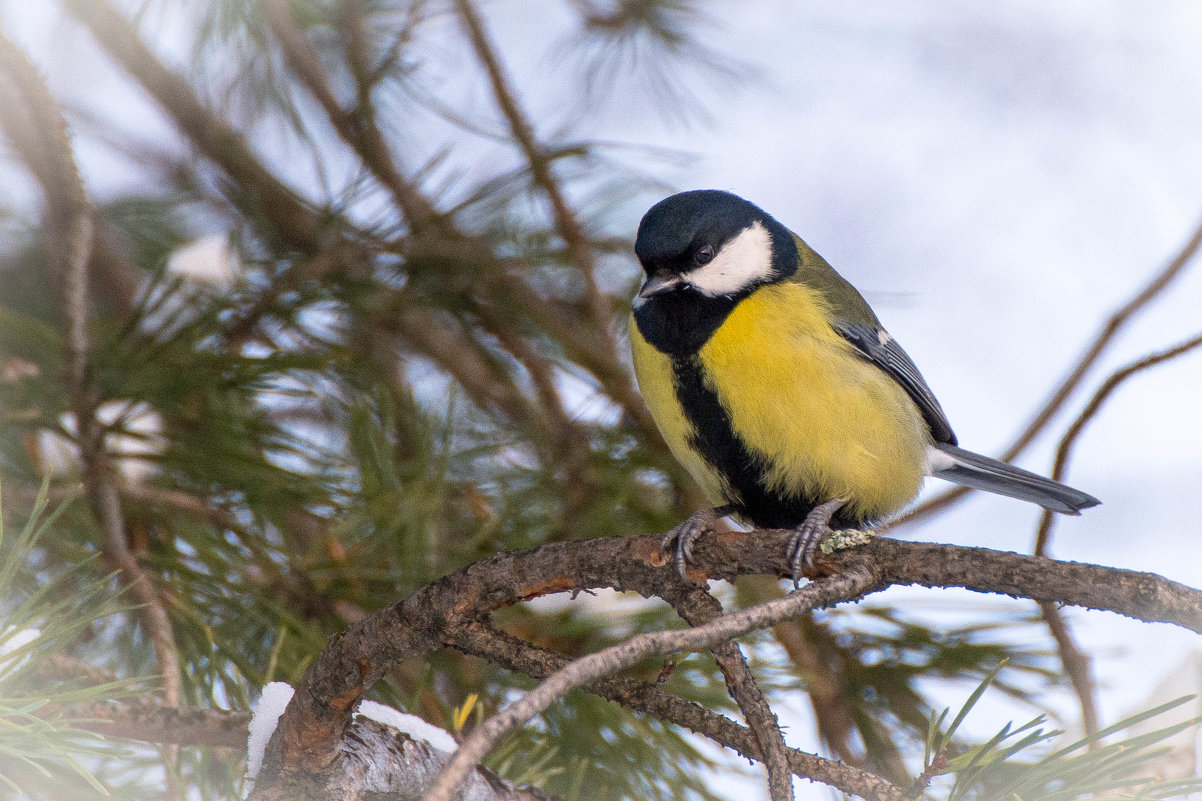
(711, 243)
(703, 252)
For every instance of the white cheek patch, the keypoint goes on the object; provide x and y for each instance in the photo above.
(743, 261)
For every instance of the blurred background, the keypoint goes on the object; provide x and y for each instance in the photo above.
(356, 315)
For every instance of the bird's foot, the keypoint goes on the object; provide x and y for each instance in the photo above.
(808, 536)
(679, 541)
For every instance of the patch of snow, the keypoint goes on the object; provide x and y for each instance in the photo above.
(267, 711)
(411, 725)
(274, 700)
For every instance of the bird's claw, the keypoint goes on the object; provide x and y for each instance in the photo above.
(679, 541)
(808, 536)
(801, 548)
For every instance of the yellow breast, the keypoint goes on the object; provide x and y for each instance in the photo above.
(821, 421)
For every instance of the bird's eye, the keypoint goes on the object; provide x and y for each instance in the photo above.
(704, 254)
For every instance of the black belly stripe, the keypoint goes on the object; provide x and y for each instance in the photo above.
(714, 437)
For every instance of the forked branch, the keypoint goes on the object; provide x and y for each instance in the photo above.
(311, 728)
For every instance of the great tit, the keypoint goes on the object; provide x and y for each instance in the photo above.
(777, 388)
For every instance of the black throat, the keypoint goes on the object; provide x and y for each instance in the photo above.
(679, 323)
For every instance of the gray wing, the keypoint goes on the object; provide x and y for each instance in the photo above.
(875, 345)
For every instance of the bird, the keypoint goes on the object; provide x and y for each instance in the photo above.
(777, 388)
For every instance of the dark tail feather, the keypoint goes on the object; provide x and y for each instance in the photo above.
(980, 472)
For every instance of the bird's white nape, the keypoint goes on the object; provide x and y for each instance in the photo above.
(744, 260)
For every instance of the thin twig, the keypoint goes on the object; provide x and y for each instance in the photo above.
(1077, 663)
(356, 127)
(180, 501)
(812, 648)
(566, 221)
(1072, 434)
(69, 230)
(294, 219)
(697, 607)
(825, 592)
(1113, 325)
(502, 649)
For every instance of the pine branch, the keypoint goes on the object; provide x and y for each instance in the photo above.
(295, 220)
(330, 241)
(845, 586)
(69, 231)
(148, 720)
(509, 652)
(357, 127)
(522, 129)
(307, 740)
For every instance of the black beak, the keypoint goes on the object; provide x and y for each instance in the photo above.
(661, 282)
